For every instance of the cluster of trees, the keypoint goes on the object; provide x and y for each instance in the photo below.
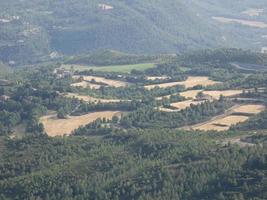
(148, 116)
(138, 164)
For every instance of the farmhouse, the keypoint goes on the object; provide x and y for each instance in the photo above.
(105, 7)
(264, 50)
(62, 73)
(4, 98)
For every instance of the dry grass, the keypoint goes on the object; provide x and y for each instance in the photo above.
(222, 124)
(109, 82)
(92, 99)
(226, 93)
(190, 94)
(191, 81)
(59, 127)
(250, 109)
(255, 24)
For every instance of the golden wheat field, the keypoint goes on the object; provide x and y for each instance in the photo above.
(59, 127)
(226, 93)
(250, 109)
(191, 81)
(190, 94)
(222, 124)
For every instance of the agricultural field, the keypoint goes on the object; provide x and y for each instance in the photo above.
(102, 80)
(91, 99)
(59, 127)
(250, 109)
(191, 81)
(226, 93)
(112, 68)
(222, 124)
(235, 115)
(180, 105)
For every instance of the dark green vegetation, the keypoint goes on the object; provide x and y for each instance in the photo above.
(142, 155)
(31, 30)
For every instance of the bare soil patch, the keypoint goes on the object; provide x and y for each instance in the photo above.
(191, 81)
(152, 78)
(250, 109)
(59, 127)
(85, 84)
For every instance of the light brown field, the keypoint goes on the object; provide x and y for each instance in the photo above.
(85, 84)
(250, 109)
(152, 78)
(109, 82)
(226, 93)
(225, 123)
(185, 104)
(255, 24)
(92, 99)
(59, 127)
(190, 94)
(191, 81)
(167, 109)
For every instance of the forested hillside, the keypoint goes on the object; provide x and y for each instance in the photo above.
(31, 30)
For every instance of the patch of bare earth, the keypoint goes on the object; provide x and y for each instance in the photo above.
(85, 84)
(191, 81)
(59, 127)
(233, 116)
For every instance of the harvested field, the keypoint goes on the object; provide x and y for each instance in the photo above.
(222, 124)
(255, 24)
(59, 127)
(167, 109)
(91, 99)
(85, 84)
(190, 94)
(191, 81)
(226, 93)
(250, 109)
(109, 82)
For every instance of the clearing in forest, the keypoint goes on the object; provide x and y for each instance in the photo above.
(180, 105)
(250, 109)
(233, 116)
(226, 93)
(191, 81)
(59, 127)
(102, 80)
(92, 99)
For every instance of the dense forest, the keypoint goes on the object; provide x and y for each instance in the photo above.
(143, 153)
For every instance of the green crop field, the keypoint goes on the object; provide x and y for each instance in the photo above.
(113, 68)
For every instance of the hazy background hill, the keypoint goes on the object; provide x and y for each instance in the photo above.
(31, 30)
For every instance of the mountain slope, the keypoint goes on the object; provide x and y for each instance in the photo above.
(33, 29)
